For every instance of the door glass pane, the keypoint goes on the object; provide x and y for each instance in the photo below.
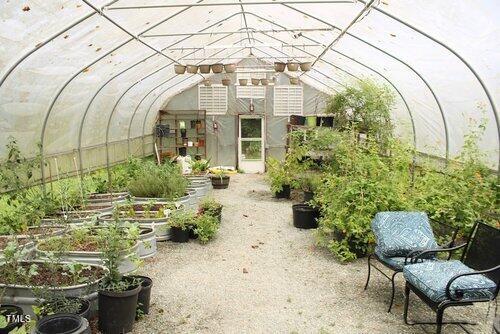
(251, 150)
(251, 128)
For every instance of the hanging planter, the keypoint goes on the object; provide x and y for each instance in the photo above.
(305, 66)
(264, 82)
(207, 82)
(292, 66)
(243, 82)
(217, 68)
(294, 81)
(279, 67)
(226, 82)
(255, 81)
(192, 69)
(179, 69)
(230, 68)
(204, 69)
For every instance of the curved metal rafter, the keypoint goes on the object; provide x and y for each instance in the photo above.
(443, 117)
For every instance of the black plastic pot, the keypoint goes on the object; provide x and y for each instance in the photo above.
(12, 311)
(284, 193)
(308, 195)
(63, 324)
(305, 216)
(117, 310)
(182, 151)
(179, 235)
(192, 233)
(220, 182)
(144, 297)
(183, 132)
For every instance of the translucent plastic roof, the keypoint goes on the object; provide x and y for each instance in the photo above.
(81, 73)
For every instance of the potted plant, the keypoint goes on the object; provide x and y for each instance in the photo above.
(211, 207)
(180, 222)
(306, 66)
(292, 66)
(243, 82)
(309, 183)
(230, 68)
(255, 81)
(207, 82)
(11, 317)
(117, 294)
(179, 69)
(279, 177)
(206, 227)
(305, 216)
(294, 81)
(217, 68)
(53, 303)
(264, 82)
(204, 69)
(226, 82)
(279, 66)
(192, 69)
(220, 180)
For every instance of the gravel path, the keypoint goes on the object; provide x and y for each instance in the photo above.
(262, 275)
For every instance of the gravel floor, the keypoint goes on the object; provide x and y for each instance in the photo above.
(262, 275)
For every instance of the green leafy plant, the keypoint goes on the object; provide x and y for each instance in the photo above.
(182, 219)
(279, 174)
(210, 206)
(206, 227)
(200, 166)
(164, 181)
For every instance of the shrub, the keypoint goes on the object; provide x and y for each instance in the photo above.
(164, 181)
(206, 227)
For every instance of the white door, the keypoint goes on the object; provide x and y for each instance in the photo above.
(251, 144)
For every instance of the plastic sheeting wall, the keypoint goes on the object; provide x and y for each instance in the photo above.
(222, 143)
(79, 75)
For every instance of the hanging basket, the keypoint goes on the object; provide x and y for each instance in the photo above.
(207, 82)
(226, 82)
(193, 69)
(243, 82)
(179, 69)
(264, 82)
(255, 82)
(294, 81)
(217, 68)
(230, 68)
(292, 66)
(279, 67)
(204, 69)
(305, 66)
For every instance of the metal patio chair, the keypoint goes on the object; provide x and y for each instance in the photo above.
(442, 284)
(400, 234)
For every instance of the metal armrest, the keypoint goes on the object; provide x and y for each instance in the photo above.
(448, 286)
(421, 255)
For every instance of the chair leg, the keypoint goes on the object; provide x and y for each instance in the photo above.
(369, 271)
(407, 302)
(439, 320)
(393, 290)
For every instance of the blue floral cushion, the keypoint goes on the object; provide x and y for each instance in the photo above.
(396, 262)
(399, 233)
(432, 277)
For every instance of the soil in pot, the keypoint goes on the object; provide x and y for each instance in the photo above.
(220, 182)
(144, 297)
(179, 235)
(117, 310)
(284, 193)
(305, 216)
(63, 323)
(11, 311)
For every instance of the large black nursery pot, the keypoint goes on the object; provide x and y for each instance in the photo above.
(14, 315)
(308, 196)
(305, 216)
(144, 297)
(177, 234)
(192, 233)
(220, 182)
(284, 193)
(182, 151)
(117, 310)
(63, 323)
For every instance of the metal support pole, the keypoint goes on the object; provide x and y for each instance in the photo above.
(211, 33)
(177, 4)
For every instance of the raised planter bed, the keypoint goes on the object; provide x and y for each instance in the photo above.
(108, 198)
(179, 202)
(22, 294)
(145, 220)
(220, 182)
(73, 217)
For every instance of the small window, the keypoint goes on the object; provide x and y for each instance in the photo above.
(288, 100)
(213, 99)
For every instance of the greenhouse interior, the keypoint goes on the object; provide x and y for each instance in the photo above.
(249, 166)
